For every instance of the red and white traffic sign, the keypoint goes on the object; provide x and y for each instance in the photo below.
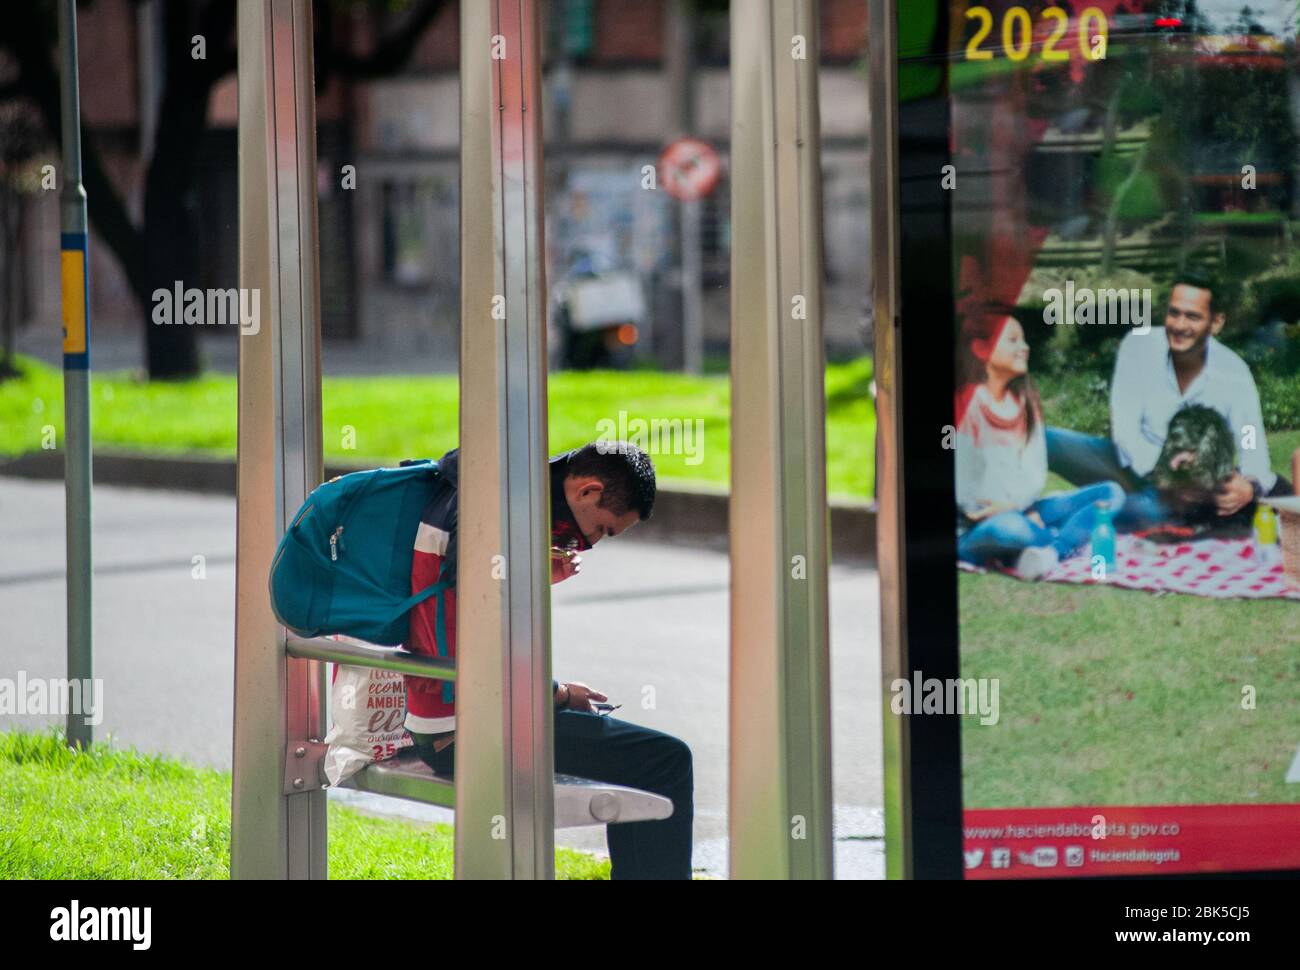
(689, 169)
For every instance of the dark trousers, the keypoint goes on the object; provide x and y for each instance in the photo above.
(1083, 459)
(617, 752)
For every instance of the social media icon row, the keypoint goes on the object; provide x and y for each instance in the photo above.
(1042, 857)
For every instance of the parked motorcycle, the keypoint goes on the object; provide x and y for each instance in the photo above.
(598, 314)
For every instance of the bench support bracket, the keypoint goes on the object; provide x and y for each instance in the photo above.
(304, 767)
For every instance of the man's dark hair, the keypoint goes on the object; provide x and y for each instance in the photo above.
(624, 469)
(1200, 280)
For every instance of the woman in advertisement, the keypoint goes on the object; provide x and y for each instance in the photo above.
(1002, 460)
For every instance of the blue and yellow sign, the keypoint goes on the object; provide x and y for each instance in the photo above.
(76, 302)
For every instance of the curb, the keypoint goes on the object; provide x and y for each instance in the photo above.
(683, 513)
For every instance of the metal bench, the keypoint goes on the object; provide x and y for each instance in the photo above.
(578, 801)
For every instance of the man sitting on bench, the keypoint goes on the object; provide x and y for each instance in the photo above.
(598, 490)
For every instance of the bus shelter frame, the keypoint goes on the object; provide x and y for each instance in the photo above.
(780, 778)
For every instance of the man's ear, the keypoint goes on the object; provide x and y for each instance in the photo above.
(592, 488)
(1216, 324)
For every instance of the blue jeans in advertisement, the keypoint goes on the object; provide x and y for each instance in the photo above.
(1083, 459)
(1068, 520)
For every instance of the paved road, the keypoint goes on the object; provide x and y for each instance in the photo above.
(639, 614)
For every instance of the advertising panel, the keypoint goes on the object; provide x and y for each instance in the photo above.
(1125, 435)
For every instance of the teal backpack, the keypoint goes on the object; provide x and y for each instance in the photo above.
(344, 564)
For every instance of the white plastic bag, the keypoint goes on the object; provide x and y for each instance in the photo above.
(369, 708)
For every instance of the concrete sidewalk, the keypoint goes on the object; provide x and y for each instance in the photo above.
(641, 613)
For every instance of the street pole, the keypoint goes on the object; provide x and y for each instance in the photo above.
(74, 268)
(692, 289)
(682, 71)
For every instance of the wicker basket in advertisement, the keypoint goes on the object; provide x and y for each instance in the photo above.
(1288, 520)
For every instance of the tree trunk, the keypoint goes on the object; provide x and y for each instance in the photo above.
(171, 234)
(11, 227)
(167, 248)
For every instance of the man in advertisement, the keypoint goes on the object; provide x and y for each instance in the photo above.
(1159, 374)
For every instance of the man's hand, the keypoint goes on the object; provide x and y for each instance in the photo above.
(564, 564)
(577, 697)
(1234, 494)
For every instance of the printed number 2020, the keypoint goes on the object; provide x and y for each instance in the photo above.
(1018, 34)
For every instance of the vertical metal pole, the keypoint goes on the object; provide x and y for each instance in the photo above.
(504, 768)
(882, 32)
(275, 833)
(680, 67)
(780, 784)
(692, 283)
(75, 271)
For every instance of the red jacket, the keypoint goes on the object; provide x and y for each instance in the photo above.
(431, 704)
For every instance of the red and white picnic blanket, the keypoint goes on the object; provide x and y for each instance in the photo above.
(1220, 568)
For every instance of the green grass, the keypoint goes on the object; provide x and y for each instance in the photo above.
(1281, 446)
(1112, 696)
(1240, 218)
(402, 417)
(117, 814)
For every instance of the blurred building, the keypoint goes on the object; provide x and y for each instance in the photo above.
(623, 79)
